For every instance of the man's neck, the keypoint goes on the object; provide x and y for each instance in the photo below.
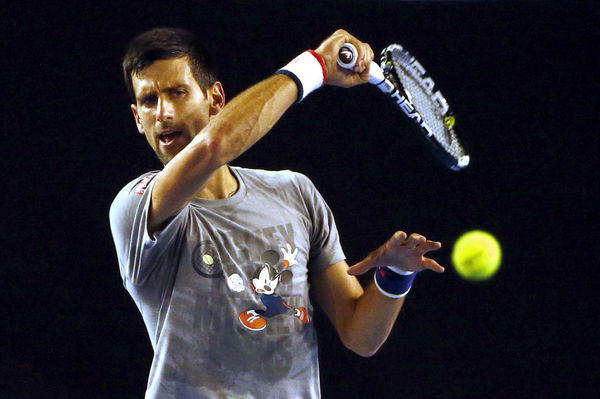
(222, 184)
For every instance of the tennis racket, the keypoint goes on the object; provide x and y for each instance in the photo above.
(405, 81)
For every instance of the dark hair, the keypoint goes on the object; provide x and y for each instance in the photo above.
(164, 44)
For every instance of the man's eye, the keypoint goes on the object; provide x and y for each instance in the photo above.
(149, 100)
(179, 92)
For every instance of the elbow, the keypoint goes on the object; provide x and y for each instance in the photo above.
(365, 351)
(226, 140)
(363, 348)
(209, 146)
(216, 152)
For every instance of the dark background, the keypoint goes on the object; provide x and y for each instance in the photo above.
(522, 79)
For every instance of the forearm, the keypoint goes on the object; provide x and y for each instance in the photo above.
(378, 307)
(371, 322)
(362, 318)
(248, 117)
(239, 125)
(234, 128)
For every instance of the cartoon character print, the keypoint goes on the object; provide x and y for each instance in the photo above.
(265, 280)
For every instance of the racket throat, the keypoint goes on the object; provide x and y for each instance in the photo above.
(407, 107)
(386, 86)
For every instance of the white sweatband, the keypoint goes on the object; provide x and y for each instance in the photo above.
(402, 272)
(308, 71)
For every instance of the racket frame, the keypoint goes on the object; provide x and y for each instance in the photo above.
(386, 79)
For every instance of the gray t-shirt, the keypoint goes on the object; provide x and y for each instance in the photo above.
(223, 288)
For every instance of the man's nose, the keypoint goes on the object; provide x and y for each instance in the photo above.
(164, 110)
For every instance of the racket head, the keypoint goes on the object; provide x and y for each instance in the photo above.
(410, 78)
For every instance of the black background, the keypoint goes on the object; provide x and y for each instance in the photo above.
(522, 79)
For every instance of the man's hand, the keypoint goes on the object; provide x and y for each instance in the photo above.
(338, 76)
(400, 251)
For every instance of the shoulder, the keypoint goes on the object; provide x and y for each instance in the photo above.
(274, 178)
(138, 185)
(132, 191)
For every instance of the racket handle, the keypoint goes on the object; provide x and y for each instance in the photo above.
(347, 57)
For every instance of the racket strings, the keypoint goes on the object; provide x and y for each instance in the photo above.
(434, 116)
(429, 110)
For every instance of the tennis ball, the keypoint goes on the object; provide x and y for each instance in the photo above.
(208, 259)
(476, 255)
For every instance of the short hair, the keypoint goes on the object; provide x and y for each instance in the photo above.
(164, 44)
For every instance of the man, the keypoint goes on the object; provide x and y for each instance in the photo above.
(218, 258)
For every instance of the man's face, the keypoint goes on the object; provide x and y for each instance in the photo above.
(171, 108)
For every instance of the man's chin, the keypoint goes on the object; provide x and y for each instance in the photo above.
(166, 153)
(164, 160)
(165, 157)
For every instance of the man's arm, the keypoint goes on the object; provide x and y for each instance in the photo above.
(238, 126)
(364, 318)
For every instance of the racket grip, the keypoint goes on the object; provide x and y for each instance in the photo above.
(347, 57)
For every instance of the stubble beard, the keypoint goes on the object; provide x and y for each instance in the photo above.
(164, 159)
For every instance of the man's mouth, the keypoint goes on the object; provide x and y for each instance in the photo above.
(167, 137)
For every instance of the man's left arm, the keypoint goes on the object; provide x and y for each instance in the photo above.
(364, 318)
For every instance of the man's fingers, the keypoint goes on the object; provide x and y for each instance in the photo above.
(416, 240)
(433, 265)
(363, 63)
(413, 240)
(367, 57)
(429, 246)
(338, 76)
(360, 268)
(399, 236)
(402, 251)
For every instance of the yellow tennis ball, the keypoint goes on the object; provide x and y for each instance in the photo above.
(208, 259)
(476, 255)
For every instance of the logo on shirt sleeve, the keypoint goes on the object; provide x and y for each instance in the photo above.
(141, 187)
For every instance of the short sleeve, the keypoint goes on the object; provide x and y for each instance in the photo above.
(138, 253)
(325, 247)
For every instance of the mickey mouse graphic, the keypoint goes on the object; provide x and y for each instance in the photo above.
(265, 280)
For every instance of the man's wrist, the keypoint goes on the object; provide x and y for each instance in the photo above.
(392, 284)
(308, 71)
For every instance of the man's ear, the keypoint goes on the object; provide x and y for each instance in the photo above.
(217, 98)
(138, 123)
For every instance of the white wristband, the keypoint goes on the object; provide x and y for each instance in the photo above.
(402, 272)
(308, 71)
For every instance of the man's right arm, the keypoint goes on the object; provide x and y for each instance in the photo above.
(240, 124)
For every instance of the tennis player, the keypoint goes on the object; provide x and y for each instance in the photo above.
(218, 258)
